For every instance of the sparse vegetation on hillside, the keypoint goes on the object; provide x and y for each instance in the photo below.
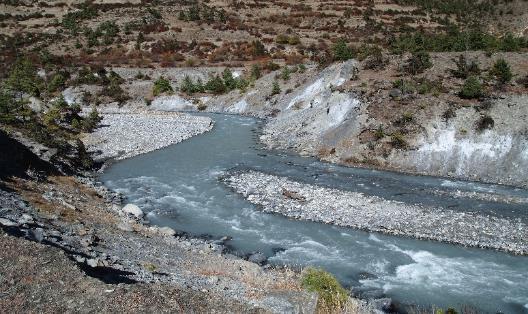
(501, 71)
(161, 85)
(472, 88)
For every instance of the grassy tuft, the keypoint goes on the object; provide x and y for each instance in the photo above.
(332, 296)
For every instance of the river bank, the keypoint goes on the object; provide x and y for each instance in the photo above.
(276, 194)
(87, 226)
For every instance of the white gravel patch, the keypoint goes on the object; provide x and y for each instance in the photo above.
(124, 135)
(352, 209)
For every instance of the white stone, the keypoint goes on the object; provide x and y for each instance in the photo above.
(133, 210)
(167, 231)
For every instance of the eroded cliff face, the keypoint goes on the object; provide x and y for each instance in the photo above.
(323, 116)
(457, 148)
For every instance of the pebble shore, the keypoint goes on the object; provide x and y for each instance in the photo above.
(126, 134)
(280, 195)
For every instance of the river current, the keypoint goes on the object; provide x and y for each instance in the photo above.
(179, 186)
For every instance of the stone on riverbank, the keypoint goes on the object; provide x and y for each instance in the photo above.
(133, 210)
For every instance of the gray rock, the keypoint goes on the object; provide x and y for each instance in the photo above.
(258, 258)
(36, 234)
(167, 231)
(384, 304)
(395, 93)
(8, 223)
(133, 210)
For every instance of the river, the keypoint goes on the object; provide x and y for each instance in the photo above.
(178, 186)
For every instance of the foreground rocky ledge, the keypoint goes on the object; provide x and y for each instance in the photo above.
(126, 134)
(351, 209)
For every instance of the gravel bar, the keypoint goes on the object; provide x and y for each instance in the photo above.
(124, 135)
(280, 195)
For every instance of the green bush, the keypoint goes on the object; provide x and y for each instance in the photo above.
(91, 122)
(276, 88)
(216, 85)
(114, 91)
(341, 51)
(9, 107)
(229, 81)
(56, 82)
(187, 85)
(84, 160)
(471, 89)
(418, 62)
(161, 85)
(332, 296)
(501, 71)
(23, 78)
(285, 74)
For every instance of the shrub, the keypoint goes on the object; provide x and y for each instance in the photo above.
(83, 158)
(215, 85)
(229, 81)
(8, 107)
(294, 40)
(275, 89)
(285, 74)
(464, 68)
(91, 122)
(161, 85)
(255, 72)
(23, 78)
(379, 133)
(187, 85)
(418, 62)
(281, 39)
(471, 89)
(341, 51)
(332, 296)
(501, 71)
(75, 124)
(398, 140)
(114, 91)
(56, 82)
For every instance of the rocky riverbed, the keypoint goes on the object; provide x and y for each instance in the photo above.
(124, 134)
(102, 239)
(351, 209)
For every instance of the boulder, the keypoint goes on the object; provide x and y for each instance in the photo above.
(167, 231)
(8, 223)
(395, 93)
(133, 210)
(257, 258)
(36, 234)
(384, 304)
